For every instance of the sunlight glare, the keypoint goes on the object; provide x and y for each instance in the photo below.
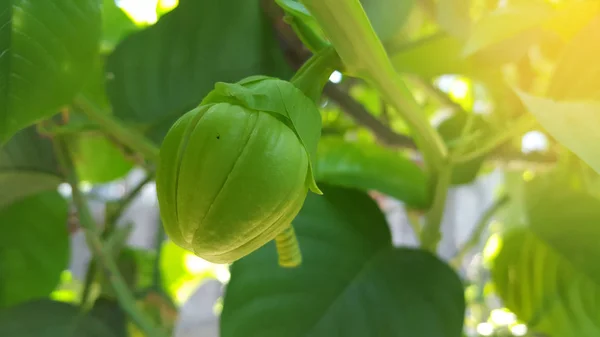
(502, 317)
(336, 77)
(485, 329)
(195, 265)
(141, 11)
(519, 330)
(534, 141)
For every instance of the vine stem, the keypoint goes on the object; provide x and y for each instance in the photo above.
(431, 234)
(127, 136)
(525, 123)
(93, 238)
(345, 22)
(478, 231)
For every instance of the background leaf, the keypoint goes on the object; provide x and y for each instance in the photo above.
(352, 282)
(577, 74)
(164, 71)
(27, 166)
(574, 124)
(46, 318)
(34, 247)
(97, 159)
(367, 167)
(46, 48)
(505, 23)
(546, 272)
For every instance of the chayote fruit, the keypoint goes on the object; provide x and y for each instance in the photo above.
(234, 172)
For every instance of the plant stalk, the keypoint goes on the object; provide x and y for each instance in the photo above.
(348, 28)
(93, 238)
(127, 136)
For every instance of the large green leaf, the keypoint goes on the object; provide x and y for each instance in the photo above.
(46, 49)
(544, 289)
(369, 166)
(387, 16)
(27, 166)
(574, 124)
(164, 71)
(45, 318)
(111, 314)
(34, 247)
(577, 74)
(352, 281)
(547, 272)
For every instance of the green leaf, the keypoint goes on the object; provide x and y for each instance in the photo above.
(109, 312)
(505, 23)
(547, 272)
(160, 73)
(387, 16)
(574, 124)
(432, 56)
(45, 318)
(352, 281)
(368, 166)
(97, 159)
(46, 49)
(27, 167)
(577, 74)
(304, 24)
(543, 288)
(34, 247)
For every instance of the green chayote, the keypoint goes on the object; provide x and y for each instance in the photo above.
(234, 172)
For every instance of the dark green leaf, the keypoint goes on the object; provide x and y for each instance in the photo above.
(352, 281)
(164, 71)
(109, 312)
(368, 166)
(34, 247)
(577, 74)
(387, 16)
(46, 49)
(45, 318)
(27, 166)
(574, 124)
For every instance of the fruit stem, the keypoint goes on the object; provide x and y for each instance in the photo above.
(314, 73)
(288, 249)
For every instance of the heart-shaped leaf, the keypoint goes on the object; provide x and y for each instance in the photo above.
(369, 166)
(45, 318)
(46, 49)
(352, 281)
(160, 73)
(34, 247)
